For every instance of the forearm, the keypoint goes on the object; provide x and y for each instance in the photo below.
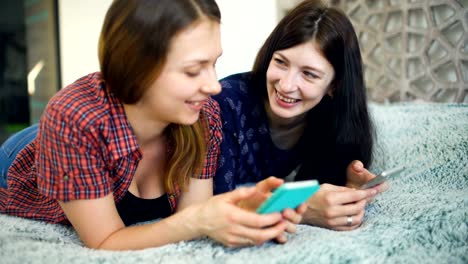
(178, 227)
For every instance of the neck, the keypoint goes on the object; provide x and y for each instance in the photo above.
(285, 132)
(146, 129)
(278, 122)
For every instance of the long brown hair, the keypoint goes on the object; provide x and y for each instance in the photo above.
(133, 47)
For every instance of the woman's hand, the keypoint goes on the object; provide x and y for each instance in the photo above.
(336, 207)
(264, 190)
(293, 218)
(357, 175)
(223, 220)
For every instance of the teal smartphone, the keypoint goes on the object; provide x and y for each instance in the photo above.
(289, 195)
(382, 177)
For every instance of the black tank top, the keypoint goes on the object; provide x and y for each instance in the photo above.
(134, 209)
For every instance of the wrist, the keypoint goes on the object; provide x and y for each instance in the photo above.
(308, 216)
(187, 221)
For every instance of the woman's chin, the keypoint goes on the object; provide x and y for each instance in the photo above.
(189, 120)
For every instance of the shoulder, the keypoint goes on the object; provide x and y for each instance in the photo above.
(236, 80)
(238, 95)
(83, 103)
(234, 86)
(80, 114)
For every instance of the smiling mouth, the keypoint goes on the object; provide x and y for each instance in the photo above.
(286, 99)
(196, 103)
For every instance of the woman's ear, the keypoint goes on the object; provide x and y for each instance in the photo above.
(331, 88)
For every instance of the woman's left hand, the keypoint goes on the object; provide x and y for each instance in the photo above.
(357, 175)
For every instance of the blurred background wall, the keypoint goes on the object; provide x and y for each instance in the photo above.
(413, 50)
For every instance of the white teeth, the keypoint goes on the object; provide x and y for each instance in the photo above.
(196, 103)
(286, 99)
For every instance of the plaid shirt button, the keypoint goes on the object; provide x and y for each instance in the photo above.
(65, 178)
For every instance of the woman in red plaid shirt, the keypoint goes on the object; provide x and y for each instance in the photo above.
(139, 140)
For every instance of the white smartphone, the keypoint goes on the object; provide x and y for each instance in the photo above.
(382, 177)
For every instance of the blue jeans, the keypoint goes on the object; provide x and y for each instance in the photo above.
(11, 147)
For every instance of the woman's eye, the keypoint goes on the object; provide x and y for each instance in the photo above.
(192, 74)
(310, 75)
(279, 61)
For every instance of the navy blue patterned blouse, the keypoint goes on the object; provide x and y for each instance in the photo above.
(247, 151)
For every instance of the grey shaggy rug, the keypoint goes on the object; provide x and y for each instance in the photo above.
(423, 218)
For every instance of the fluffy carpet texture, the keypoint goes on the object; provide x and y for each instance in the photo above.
(423, 218)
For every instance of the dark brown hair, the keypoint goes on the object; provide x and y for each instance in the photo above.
(133, 47)
(334, 34)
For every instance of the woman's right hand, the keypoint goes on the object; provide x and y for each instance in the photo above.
(223, 220)
(264, 191)
(337, 207)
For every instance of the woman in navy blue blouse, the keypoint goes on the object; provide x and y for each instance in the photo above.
(302, 111)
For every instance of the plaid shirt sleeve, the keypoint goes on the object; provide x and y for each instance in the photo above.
(212, 116)
(69, 160)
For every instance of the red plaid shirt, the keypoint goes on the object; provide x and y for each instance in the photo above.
(85, 149)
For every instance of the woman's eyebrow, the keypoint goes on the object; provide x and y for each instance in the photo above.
(308, 67)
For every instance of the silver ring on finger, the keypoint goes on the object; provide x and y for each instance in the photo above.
(349, 220)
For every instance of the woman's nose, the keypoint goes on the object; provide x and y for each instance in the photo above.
(212, 88)
(211, 85)
(287, 83)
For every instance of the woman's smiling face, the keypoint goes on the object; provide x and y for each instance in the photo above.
(188, 77)
(297, 79)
